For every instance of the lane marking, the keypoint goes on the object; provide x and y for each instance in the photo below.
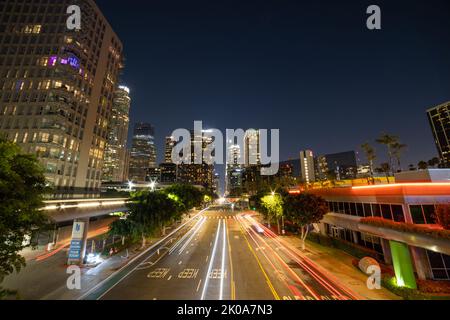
(170, 277)
(224, 245)
(232, 284)
(269, 283)
(198, 286)
(205, 286)
(206, 260)
(90, 291)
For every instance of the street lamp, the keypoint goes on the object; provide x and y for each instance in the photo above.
(152, 185)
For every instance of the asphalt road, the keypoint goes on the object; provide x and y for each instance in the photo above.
(221, 255)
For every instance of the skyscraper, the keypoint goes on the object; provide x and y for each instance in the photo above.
(339, 166)
(56, 87)
(170, 143)
(197, 173)
(307, 166)
(115, 153)
(439, 118)
(251, 148)
(143, 151)
(233, 171)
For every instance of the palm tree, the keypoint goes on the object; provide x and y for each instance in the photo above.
(370, 155)
(388, 140)
(397, 149)
(384, 168)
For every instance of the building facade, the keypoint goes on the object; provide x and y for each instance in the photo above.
(307, 166)
(401, 202)
(170, 143)
(439, 119)
(252, 155)
(338, 166)
(115, 153)
(57, 85)
(233, 171)
(143, 152)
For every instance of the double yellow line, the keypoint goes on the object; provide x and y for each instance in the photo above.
(232, 285)
(269, 283)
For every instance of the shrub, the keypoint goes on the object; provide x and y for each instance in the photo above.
(443, 216)
(390, 283)
(407, 227)
(430, 286)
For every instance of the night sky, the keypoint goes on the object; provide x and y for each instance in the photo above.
(310, 68)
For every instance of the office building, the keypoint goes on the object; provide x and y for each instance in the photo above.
(170, 143)
(252, 155)
(143, 152)
(439, 118)
(411, 201)
(233, 171)
(115, 152)
(337, 166)
(202, 173)
(307, 166)
(56, 87)
(168, 172)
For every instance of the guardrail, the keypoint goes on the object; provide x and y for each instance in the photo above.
(54, 205)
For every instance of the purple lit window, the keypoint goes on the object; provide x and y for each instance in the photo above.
(52, 61)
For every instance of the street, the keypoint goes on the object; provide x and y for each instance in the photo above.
(222, 255)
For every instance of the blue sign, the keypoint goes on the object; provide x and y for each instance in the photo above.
(75, 249)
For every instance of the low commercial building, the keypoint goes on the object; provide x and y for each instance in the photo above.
(412, 201)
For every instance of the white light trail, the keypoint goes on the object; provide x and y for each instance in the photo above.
(205, 286)
(224, 242)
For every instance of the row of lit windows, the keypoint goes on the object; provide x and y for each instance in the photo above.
(387, 211)
(420, 214)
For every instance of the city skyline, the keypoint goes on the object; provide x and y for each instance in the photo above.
(332, 181)
(385, 80)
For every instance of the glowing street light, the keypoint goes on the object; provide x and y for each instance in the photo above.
(152, 185)
(130, 185)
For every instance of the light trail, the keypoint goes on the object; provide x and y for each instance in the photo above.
(205, 286)
(197, 228)
(232, 285)
(269, 283)
(295, 276)
(224, 244)
(185, 236)
(308, 265)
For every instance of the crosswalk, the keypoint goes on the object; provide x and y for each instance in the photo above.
(220, 217)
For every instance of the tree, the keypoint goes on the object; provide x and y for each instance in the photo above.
(150, 211)
(384, 168)
(273, 204)
(22, 186)
(304, 209)
(422, 165)
(434, 162)
(397, 149)
(123, 228)
(388, 140)
(443, 215)
(369, 151)
(189, 196)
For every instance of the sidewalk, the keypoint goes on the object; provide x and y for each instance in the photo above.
(46, 279)
(339, 264)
